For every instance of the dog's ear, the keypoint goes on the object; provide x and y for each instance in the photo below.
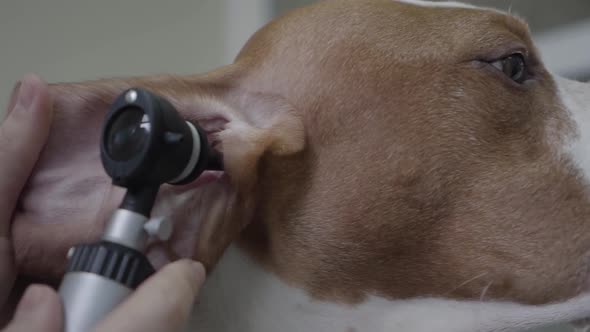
(244, 126)
(69, 197)
(241, 123)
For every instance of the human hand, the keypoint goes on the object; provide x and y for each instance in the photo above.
(23, 134)
(162, 303)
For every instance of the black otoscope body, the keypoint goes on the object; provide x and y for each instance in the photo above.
(144, 144)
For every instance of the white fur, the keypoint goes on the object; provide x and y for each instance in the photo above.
(444, 4)
(576, 99)
(449, 4)
(240, 296)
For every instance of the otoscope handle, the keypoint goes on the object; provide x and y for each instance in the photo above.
(99, 277)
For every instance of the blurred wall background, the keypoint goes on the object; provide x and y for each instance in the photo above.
(70, 40)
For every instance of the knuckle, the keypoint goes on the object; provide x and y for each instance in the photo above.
(177, 292)
(179, 280)
(5, 138)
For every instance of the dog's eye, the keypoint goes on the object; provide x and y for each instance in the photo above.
(513, 66)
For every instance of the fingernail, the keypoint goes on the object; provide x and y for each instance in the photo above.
(26, 94)
(198, 272)
(13, 96)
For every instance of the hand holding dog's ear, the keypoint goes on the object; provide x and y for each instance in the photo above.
(22, 136)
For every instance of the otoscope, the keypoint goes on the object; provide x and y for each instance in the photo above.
(144, 144)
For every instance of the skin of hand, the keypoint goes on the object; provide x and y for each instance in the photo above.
(22, 136)
(161, 303)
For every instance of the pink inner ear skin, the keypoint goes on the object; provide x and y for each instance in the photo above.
(197, 213)
(203, 179)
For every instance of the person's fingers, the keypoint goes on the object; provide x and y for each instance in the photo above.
(22, 136)
(39, 310)
(161, 303)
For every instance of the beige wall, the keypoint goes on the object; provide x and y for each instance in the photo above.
(69, 40)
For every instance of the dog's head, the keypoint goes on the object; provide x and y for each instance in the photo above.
(395, 149)
(441, 158)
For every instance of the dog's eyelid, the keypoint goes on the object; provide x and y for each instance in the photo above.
(501, 53)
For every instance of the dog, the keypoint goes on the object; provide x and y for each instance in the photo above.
(390, 166)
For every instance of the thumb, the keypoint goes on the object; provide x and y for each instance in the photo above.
(161, 303)
(22, 137)
(39, 310)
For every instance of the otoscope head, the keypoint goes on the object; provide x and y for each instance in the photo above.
(145, 143)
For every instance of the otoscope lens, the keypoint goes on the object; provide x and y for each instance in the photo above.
(128, 134)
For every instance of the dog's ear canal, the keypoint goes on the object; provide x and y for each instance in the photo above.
(254, 124)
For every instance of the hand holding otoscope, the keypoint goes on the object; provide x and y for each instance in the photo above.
(144, 144)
